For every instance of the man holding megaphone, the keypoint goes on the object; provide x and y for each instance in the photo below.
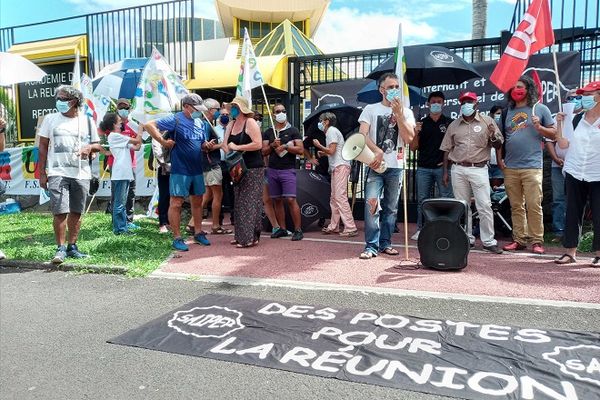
(387, 126)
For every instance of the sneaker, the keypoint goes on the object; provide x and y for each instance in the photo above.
(513, 246)
(61, 254)
(132, 227)
(493, 249)
(179, 244)
(163, 229)
(2, 255)
(73, 252)
(274, 230)
(537, 248)
(415, 236)
(280, 233)
(297, 235)
(201, 239)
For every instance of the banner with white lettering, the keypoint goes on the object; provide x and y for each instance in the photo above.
(451, 358)
(18, 168)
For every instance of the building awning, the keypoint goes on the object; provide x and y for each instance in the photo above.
(53, 49)
(223, 74)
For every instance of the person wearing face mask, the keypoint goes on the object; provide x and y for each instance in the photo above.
(284, 144)
(387, 126)
(467, 145)
(211, 164)
(189, 137)
(525, 128)
(123, 107)
(340, 170)
(67, 140)
(582, 174)
(429, 134)
(496, 164)
(557, 155)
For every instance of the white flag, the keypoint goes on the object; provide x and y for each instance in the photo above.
(160, 89)
(401, 69)
(94, 105)
(76, 79)
(249, 77)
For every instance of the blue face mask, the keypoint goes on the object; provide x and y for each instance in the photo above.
(577, 103)
(392, 94)
(467, 109)
(435, 108)
(196, 114)
(217, 114)
(62, 106)
(235, 112)
(224, 119)
(497, 118)
(123, 113)
(321, 126)
(588, 102)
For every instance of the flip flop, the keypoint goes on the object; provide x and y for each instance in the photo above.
(349, 234)
(565, 259)
(367, 255)
(327, 231)
(390, 251)
(595, 262)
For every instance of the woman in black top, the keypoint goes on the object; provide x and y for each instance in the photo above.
(243, 134)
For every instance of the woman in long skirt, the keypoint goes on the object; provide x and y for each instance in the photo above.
(243, 134)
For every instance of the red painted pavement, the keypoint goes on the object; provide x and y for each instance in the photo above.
(521, 274)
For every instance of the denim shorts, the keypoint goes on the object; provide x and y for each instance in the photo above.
(495, 172)
(184, 185)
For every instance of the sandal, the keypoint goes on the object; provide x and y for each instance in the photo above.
(327, 231)
(233, 242)
(565, 259)
(245, 246)
(367, 255)
(390, 251)
(349, 234)
(221, 231)
(595, 262)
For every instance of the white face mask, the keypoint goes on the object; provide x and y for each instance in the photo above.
(467, 109)
(281, 117)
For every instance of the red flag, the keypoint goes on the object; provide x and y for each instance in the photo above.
(533, 34)
(538, 84)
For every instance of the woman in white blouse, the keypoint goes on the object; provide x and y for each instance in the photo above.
(582, 174)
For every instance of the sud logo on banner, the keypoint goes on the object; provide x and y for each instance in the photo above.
(452, 358)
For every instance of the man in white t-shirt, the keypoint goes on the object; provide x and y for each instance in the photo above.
(67, 140)
(387, 126)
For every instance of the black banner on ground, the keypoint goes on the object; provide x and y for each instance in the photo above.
(452, 358)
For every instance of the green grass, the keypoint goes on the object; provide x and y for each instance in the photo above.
(29, 236)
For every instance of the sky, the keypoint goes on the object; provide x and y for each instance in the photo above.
(348, 25)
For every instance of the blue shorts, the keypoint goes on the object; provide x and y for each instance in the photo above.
(495, 172)
(184, 185)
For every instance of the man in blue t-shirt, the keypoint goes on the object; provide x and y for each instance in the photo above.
(188, 132)
(526, 124)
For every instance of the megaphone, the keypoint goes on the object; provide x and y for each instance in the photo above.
(356, 148)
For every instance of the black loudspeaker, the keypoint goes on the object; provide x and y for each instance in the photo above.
(443, 242)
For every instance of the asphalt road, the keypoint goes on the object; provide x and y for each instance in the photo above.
(54, 327)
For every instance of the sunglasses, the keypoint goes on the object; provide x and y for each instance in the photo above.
(279, 111)
(124, 108)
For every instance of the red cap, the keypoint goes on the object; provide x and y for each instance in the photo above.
(590, 87)
(467, 95)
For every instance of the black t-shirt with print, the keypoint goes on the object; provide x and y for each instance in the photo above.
(289, 160)
(430, 140)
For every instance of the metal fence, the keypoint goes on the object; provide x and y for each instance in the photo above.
(126, 33)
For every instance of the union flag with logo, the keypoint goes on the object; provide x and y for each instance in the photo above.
(533, 34)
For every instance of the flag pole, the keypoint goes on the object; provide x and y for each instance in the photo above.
(269, 111)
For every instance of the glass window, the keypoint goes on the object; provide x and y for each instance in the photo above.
(265, 28)
(208, 29)
(254, 31)
(300, 25)
(244, 24)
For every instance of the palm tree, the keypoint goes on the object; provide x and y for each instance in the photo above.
(479, 26)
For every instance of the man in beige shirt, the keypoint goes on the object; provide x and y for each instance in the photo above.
(467, 146)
